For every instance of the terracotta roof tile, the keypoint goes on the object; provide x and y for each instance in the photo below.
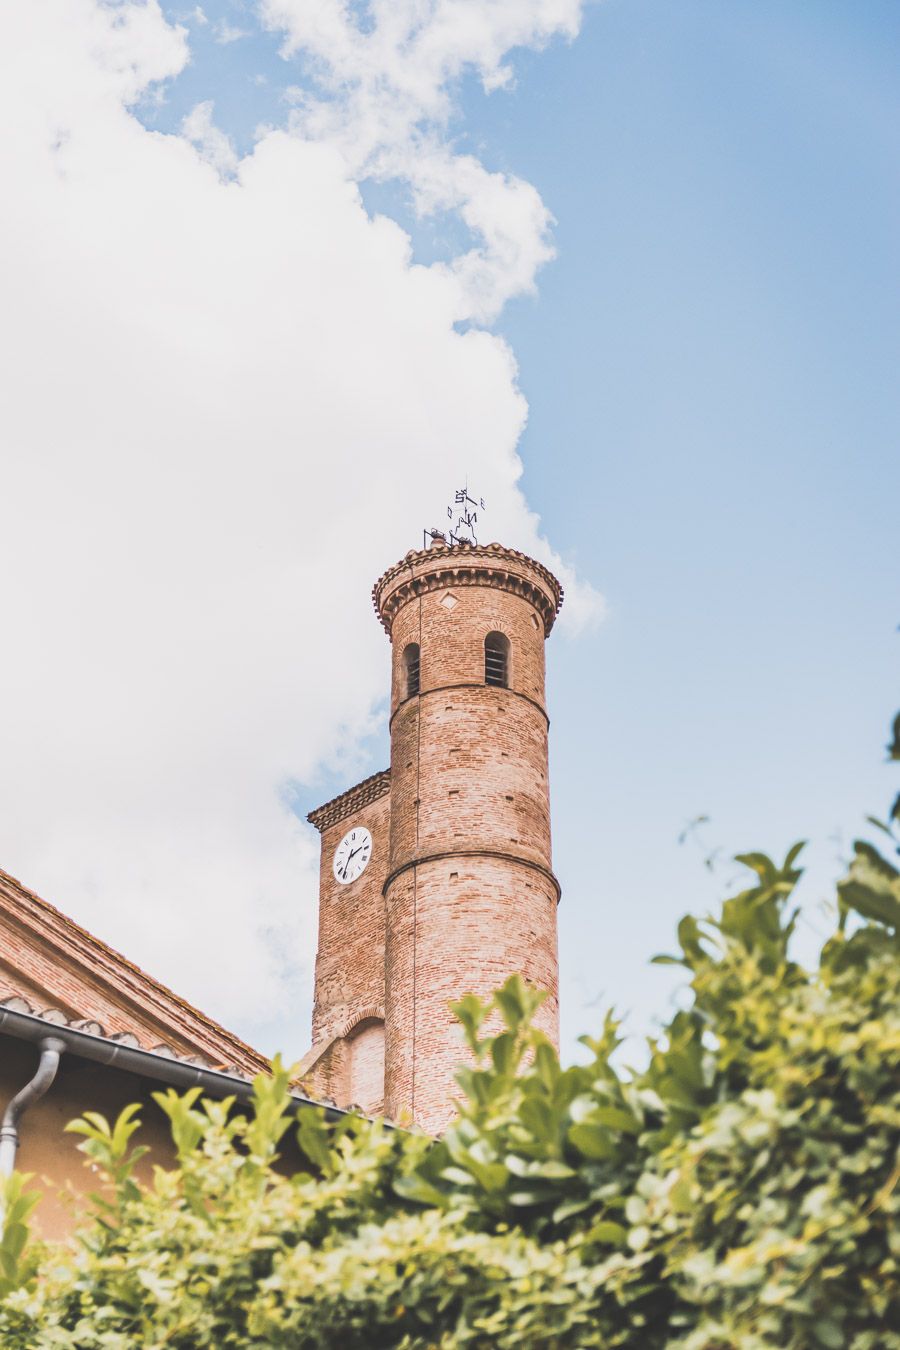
(54, 969)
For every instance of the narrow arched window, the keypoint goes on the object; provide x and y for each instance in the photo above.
(496, 659)
(411, 663)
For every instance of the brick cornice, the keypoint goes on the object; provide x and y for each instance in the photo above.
(354, 799)
(473, 853)
(469, 684)
(449, 566)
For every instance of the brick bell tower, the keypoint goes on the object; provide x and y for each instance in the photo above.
(436, 875)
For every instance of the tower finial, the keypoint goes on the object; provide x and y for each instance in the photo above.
(466, 512)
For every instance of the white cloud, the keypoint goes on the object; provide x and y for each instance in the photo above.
(228, 403)
(387, 74)
(211, 143)
(225, 33)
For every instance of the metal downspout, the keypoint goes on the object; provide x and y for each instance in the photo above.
(51, 1047)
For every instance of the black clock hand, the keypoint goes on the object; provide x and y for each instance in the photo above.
(350, 857)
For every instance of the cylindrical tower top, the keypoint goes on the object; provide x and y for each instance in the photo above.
(448, 567)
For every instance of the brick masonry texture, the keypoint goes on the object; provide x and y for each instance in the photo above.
(461, 845)
(57, 967)
(349, 985)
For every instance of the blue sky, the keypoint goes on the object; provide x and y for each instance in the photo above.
(709, 364)
(710, 367)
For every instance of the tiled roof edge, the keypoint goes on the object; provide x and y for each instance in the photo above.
(55, 1017)
(369, 790)
(188, 1020)
(118, 1052)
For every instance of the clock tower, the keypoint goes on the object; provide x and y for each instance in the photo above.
(436, 875)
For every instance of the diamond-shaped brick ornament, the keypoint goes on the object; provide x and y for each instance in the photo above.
(449, 601)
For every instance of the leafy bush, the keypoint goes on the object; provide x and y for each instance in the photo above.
(739, 1192)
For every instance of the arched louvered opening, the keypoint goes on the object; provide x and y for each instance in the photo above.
(496, 660)
(411, 667)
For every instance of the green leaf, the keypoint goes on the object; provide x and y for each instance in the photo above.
(872, 888)
(503, 1052)
(793, 854)
(313, 1138)
(470, 1012)
(517, 1001)
(420, 1191)
(539, 1119)
(893, 748)
(760, 864)
(569, 1208)
(616, 1119)
(829, 1334)
(607, 1232)
(526, 1199)
(553, 1170)
(689, 935)
(592, 1141)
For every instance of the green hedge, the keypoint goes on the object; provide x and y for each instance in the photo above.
(740, 1192)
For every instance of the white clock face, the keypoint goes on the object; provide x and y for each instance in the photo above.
(351, 857)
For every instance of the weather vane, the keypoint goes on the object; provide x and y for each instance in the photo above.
(464, 513)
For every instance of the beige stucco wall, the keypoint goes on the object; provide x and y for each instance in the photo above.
(51, 1154)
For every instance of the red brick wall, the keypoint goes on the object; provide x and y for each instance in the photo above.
(46, 976)
(350, 958)
(350, 1071)
(54, 964)
(470, 896)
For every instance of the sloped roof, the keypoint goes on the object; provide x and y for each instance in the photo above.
(53, 968)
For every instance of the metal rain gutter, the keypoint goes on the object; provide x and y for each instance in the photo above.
(144, 1063)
